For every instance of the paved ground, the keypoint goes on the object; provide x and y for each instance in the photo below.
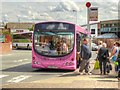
(17, 73)
(72, 80)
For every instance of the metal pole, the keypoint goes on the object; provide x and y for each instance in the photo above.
(76, 17)
(88, 27)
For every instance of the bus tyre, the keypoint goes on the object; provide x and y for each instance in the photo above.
(28, 46)
(16, 46)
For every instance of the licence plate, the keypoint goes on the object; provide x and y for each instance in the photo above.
(52, 67)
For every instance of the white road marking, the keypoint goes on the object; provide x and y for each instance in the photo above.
(25, 59)
(5, 54)
(18, 78)
(1, 76)
(20, 60)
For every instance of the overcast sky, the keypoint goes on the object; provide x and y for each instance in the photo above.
(64, 10)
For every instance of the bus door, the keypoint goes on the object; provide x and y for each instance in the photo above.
(78, 45)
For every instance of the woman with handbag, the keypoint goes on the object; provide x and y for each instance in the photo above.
(114, 54)
(118, 60)
(103, 57)
(114, 51)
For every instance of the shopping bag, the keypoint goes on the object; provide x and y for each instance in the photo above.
(116, 66)
(96, 66)
(116, 63)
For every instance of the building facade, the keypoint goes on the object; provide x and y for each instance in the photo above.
(94, 29)
(19, 27)
(110, 26)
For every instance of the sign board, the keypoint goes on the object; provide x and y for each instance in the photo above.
(93, 14)
(19, 30)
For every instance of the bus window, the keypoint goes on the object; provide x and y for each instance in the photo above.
(54, 44)
(22, 40)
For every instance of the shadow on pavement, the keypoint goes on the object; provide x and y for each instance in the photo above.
(104, 76)
(107, 80)
(28, 68)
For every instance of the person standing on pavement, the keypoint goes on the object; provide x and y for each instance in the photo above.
(118, 60)
(100, 45)
(114, 51)
(103, 57)
(85, 55)
(114, 54)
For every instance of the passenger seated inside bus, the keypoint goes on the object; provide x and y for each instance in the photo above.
(59, 47)
(51, 44)
(64, 47)
(52, 50)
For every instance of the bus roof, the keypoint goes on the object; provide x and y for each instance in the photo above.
(79, 27)
(55, 21)
(23, 32)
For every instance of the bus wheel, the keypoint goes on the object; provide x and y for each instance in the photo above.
(28, 46)
(16, 46)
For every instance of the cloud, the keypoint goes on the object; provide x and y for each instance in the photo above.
(66, 5)
(63, 10)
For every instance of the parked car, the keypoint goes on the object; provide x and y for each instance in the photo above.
(94, 47)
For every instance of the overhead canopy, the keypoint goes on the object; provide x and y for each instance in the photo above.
(108, 35)
(23, 32)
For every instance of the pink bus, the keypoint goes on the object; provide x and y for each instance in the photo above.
(55, 45)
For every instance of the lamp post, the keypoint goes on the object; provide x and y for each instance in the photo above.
(88, 4)
(19, 16)
(4, 20)
(76, 15)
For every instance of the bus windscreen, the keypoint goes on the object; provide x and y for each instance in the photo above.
(53, 44)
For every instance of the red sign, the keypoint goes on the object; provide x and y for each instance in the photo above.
(88, 4)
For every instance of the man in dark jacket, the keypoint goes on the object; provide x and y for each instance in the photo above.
(103, 57)
(85, 55)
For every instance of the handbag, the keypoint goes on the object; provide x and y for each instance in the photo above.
(97, 66)
(110, 66)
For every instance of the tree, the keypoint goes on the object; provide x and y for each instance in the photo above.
(31, 28)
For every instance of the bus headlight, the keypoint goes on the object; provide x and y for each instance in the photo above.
(35, 62)
(69, 63)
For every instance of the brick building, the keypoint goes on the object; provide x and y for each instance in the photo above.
(19, 27)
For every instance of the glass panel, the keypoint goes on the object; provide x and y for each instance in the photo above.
(27, 37)
(54, 43)
(54, 26)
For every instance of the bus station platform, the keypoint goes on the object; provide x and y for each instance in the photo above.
(70, 81)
